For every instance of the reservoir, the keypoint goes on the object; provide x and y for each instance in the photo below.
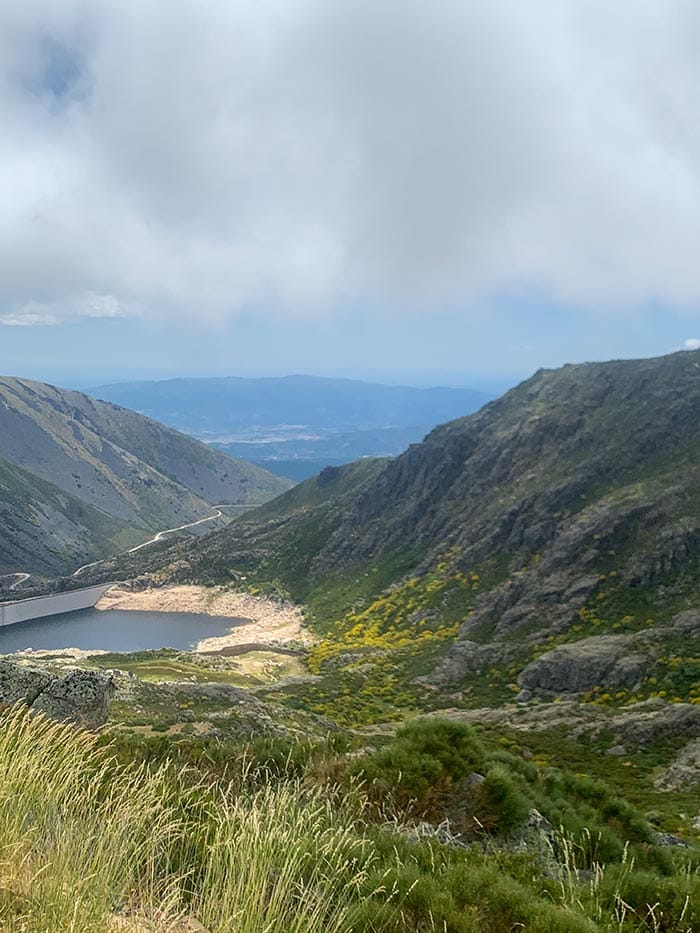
(114, 630)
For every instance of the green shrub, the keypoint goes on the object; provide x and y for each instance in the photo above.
(88, 841)
(421, 765)
(503, 903)
(501, 805)
(526, 769)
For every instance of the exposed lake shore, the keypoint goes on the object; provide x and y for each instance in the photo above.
(267, 622)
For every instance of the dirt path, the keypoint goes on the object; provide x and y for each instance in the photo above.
(158, 537)
(270, 622)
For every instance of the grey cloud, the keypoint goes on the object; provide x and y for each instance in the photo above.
(299, 155)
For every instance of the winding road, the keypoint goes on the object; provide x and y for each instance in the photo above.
(23, 577)
(159, 537)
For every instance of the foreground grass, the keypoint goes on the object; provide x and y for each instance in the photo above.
(95, 837)
(87, 843)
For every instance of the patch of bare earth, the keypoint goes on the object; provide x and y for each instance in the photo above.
(267, 622)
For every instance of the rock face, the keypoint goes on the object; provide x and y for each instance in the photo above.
(81, 697)
(687, 622)
(604, 661)
(634, 726)
(654, 719)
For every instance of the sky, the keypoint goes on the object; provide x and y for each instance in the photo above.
(452, 192)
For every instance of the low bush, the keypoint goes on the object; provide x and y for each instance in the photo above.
(502, 806)
(421, 766)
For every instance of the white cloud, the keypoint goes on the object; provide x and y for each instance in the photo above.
(692, 343)
(24, 318)
(47, 314)
(302, 155)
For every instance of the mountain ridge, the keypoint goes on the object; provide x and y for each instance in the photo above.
(75, 468)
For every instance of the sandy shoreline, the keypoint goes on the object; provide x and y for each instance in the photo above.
(268, 622)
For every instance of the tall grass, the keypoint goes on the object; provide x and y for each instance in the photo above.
(88, 845)
(78, 838)
(281, 859)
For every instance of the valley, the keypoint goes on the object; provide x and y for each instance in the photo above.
(508, 557)
(349, 467)
(497, 631)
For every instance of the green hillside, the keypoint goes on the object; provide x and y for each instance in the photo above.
(46, 530)
(81, 479)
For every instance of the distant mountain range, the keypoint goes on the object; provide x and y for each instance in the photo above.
(296, 425)
(80, 479)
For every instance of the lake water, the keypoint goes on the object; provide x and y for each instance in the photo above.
(114, 630)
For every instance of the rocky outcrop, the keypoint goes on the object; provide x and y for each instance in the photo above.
(608, 661)
(647, 722)
(467, 657)
(81, 697)
(634, 726)
(687, 622)
(224, 710)
(684, 770)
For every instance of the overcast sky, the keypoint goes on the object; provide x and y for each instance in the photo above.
(389, 188)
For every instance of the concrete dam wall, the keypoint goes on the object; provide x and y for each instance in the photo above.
(22, 610)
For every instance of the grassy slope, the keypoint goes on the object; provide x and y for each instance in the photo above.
(83, 479)
(46, 530)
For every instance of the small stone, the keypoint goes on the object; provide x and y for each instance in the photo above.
(668, 840)
(617, 751)
(474, 779)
